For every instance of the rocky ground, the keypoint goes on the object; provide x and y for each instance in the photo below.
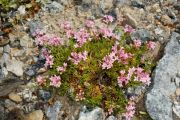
(21, 61)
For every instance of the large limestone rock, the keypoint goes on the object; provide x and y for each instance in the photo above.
(159, 103)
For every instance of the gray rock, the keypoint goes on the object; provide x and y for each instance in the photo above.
(53, 111)
(141, 34)
(111, 118)
(45, 95)
(7, 49)
(137, 3)
(54, 7)
(119, 3)
(10, 105)
(158, 102)
(135, 91)
(2, 113)
(95, 114)
(34, 25)
(130, 20)
(26, 41)
(177, 6)
(15, 67)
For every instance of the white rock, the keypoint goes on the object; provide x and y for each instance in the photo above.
(22, 10)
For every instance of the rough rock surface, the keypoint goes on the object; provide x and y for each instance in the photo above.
(96, 114)
(158, 102)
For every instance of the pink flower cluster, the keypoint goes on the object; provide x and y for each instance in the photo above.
(81, 37)
(108, 61)
(142, 76)
(108, 19)
(66, 25)
(40, 80)
(49, 58)
(42, 39)
(138, 73)
(123, 56)
(116, 54)
(78, 57)
(151, 45)
(128, 29)
(80, 96)
(106, 32)
(89, 23)
(62, 68)
(55, 81)
(137, 43)
(130, 110)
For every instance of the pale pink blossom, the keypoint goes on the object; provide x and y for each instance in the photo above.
(54, 40)
(137, 43)
(49, 61)
(66, 25)
(142, 76)
(106, 32)
(40, 80)
(69, 33)
(89, 23)
(129, 29)
(151, 45)
(49, 58)
(130, 110)
(123, 56)
(122, 80)
(62, 68)
(80, 96)
(81, 37)
(78, 57)
(41, 40)
(108, 61)
(108, 19)
(110, 110)
(55, 81)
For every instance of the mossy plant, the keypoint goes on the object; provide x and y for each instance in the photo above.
(98, 69)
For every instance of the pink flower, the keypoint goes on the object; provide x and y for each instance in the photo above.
(130, 73)
(108, 61)
(38, 32)
(106, 32)
(48, 57)
(110, 110)
(78, 57)
(81, 37)
(122, 79)
(108, 19)
(129, 29)
(62, 69)
(66, 25)
(55, 81)
(69, 33)
(80, 96)
(54, 40)
(49, 61)
(130, 110)
(151, 45)
(137, 43)
(142, 76)
(41, 40)
(123, 56)
(40, 80)
(89, 23)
